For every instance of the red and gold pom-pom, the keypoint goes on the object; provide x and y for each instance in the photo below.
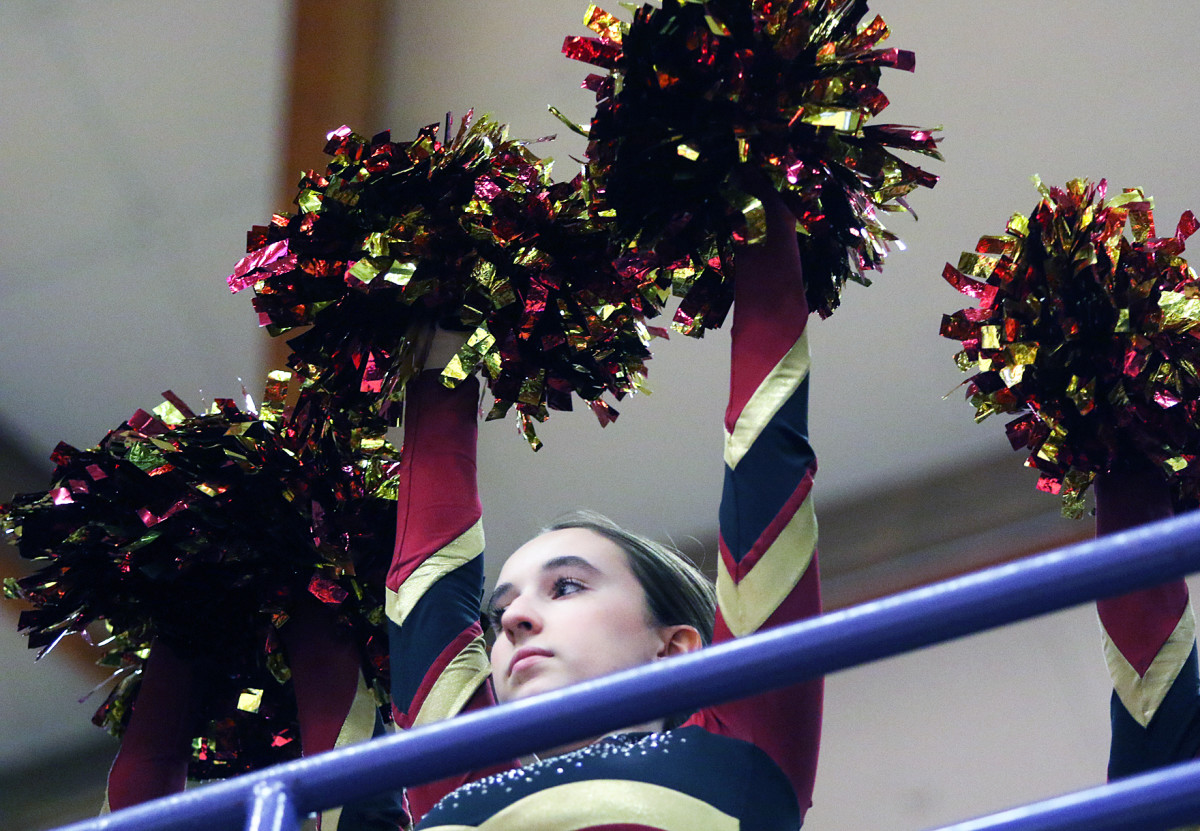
(467, 233)
(203, 531)
(702, 99)
(1089, 333)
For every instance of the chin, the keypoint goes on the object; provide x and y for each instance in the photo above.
(532, 687)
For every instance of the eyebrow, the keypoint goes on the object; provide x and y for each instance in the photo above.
(566, 560)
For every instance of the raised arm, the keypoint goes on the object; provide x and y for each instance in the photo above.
(439, 662)
(767, 573)
(1149, 643)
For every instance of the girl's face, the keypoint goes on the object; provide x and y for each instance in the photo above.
(568, 608)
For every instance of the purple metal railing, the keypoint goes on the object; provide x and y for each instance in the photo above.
(276, 797)
(1156, 801)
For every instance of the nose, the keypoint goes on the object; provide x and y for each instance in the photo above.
(520, 618)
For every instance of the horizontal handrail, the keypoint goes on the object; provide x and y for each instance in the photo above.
(1111, 565)
(1160, 800)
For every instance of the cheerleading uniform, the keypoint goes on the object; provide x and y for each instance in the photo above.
(1149, 644)
(1150, 648)
(745, 764)
(333, 708)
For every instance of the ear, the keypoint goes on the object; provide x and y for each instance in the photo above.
(678, 640)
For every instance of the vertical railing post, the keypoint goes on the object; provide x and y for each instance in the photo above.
(273, 808)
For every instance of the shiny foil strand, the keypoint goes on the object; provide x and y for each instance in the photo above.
(469, 233)
(203, 531)
(1083, 330)
(704, 101)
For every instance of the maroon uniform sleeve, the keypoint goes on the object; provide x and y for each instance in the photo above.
(767, 573)
(435, 584)
(1149, 643)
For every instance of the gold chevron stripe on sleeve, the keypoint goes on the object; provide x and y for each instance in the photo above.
(576, 806)
(456, 684)
(358, 727)
(360, 721)
(1143, 694)
(771, 394)
(460, 551)
(746, 605)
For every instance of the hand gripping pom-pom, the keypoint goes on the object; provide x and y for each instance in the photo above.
(702, 98)
(203, 531)
(467, 233)
(1086, 327)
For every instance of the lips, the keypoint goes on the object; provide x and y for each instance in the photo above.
(524, 653)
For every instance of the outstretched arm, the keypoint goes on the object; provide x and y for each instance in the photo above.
(434, 587)
(157, 745)
(767, 573)
(1149, 642)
